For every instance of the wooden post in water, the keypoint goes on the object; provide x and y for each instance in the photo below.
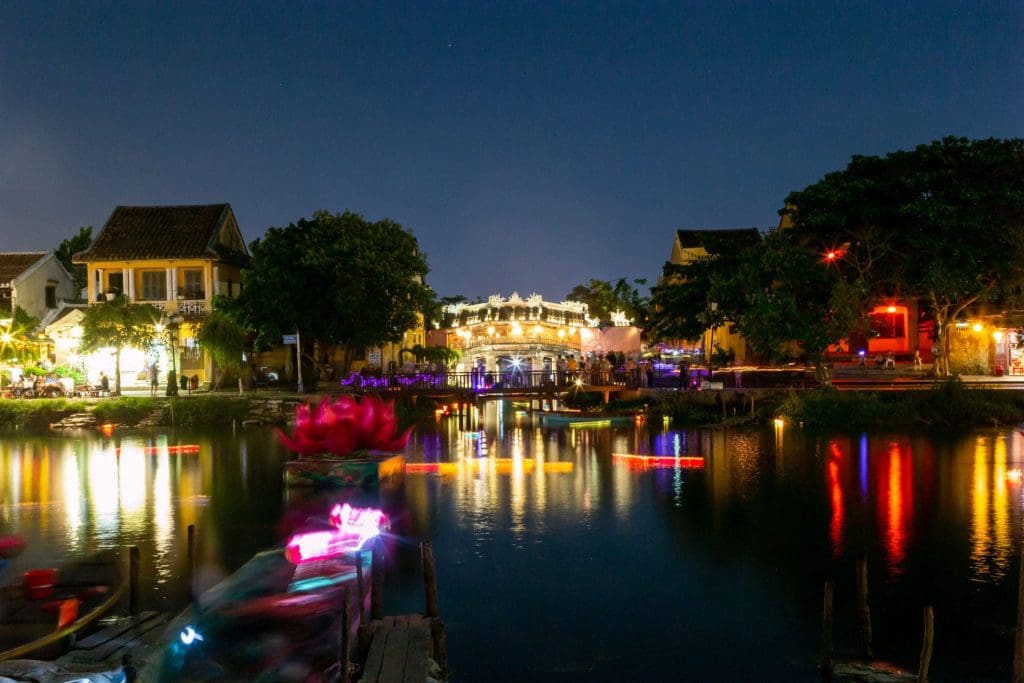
(191, 562)
(863, 610)
(133, 580)
(826, 634)
(360, 586)
(343, 654)
(377, 581)
(926, 646)
(1018, 649)
(429, 579)
(437, 635)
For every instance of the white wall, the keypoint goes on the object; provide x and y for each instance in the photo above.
(30, 289)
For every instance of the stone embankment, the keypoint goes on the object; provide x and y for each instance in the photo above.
(259, 412)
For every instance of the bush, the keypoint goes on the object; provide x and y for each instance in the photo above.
(127, 410)
(208, 410)
(950, 404)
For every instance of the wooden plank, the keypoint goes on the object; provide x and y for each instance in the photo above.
(375, 657)
(112, 631)
(393, 666)
(416, 656)
(125, 641)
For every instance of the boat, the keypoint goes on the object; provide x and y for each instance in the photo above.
(581, 419)
(40, 614)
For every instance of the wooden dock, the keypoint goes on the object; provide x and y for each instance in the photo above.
(401, 649)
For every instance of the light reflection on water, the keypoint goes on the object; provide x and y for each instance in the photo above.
(620, 563)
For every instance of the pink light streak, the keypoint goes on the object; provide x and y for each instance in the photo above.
(353, 528)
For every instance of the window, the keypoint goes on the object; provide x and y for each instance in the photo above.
(888, 325)
(192, 284)
(115, 282)
(51, 296)
(154, 285)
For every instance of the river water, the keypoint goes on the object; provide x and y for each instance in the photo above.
(558, 559)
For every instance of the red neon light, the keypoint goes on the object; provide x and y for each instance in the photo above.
(685, 461)
(422, 467)
(190, 448)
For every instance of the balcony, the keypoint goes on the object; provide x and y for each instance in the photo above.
(192, 308)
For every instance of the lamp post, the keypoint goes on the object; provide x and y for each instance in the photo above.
(173, 328)
(711, 350)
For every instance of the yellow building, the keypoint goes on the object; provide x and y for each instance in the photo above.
(176, 258)
(698, 245)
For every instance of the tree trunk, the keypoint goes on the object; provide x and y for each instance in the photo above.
(117, 371)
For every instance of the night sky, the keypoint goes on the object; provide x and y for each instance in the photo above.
(529, 147)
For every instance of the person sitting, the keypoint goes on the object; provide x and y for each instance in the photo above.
(890, 361)
(879, 361)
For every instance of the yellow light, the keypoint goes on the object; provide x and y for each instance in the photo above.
(490, 330)
(978, 327)
(159, 328)
(5, 337)
(1013, 475)
(517, 329)
(998, 336)
(779, 422)
(892, 309)
(536, 330)
(561, 333)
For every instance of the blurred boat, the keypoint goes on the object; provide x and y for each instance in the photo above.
(39, 615)
(581, 419)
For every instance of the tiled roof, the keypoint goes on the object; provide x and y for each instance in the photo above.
(161, 232)
(736, 238)
(14, 264)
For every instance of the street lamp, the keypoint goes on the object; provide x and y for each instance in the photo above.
(173, 327)
(711, 350)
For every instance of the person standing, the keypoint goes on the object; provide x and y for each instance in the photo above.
(917, 359)
(154, 379)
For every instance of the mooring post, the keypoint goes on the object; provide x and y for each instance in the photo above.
(1018, 649)
(826, 634)
(361, 588)
(437, 635)
(377, 581)
(429, 579)
(133, 580)
(343, 654)
(926, 646)
(191, 562)
(863, 610)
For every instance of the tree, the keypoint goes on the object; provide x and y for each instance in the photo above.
(225, 340)
(604, 298)
(943, 222)
(336, 278)
(66, 251)
(17, 343)
(119, 324)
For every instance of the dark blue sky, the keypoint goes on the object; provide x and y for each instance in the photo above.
(529, 147)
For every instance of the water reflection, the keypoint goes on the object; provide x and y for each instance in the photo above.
(532, 521)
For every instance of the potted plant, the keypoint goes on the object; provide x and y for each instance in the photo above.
(345, 443)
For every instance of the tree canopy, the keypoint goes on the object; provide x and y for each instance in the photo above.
(224, 339)
(604, 298)
(338, 279)
(943, 222)
(68, 248)
(119, 324)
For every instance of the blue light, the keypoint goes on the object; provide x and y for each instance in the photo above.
(189, 635)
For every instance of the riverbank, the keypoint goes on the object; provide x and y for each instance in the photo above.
(951, 404)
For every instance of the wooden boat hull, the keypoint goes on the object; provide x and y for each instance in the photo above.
(36, 628)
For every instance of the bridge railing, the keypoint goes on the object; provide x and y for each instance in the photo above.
(494, 382)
